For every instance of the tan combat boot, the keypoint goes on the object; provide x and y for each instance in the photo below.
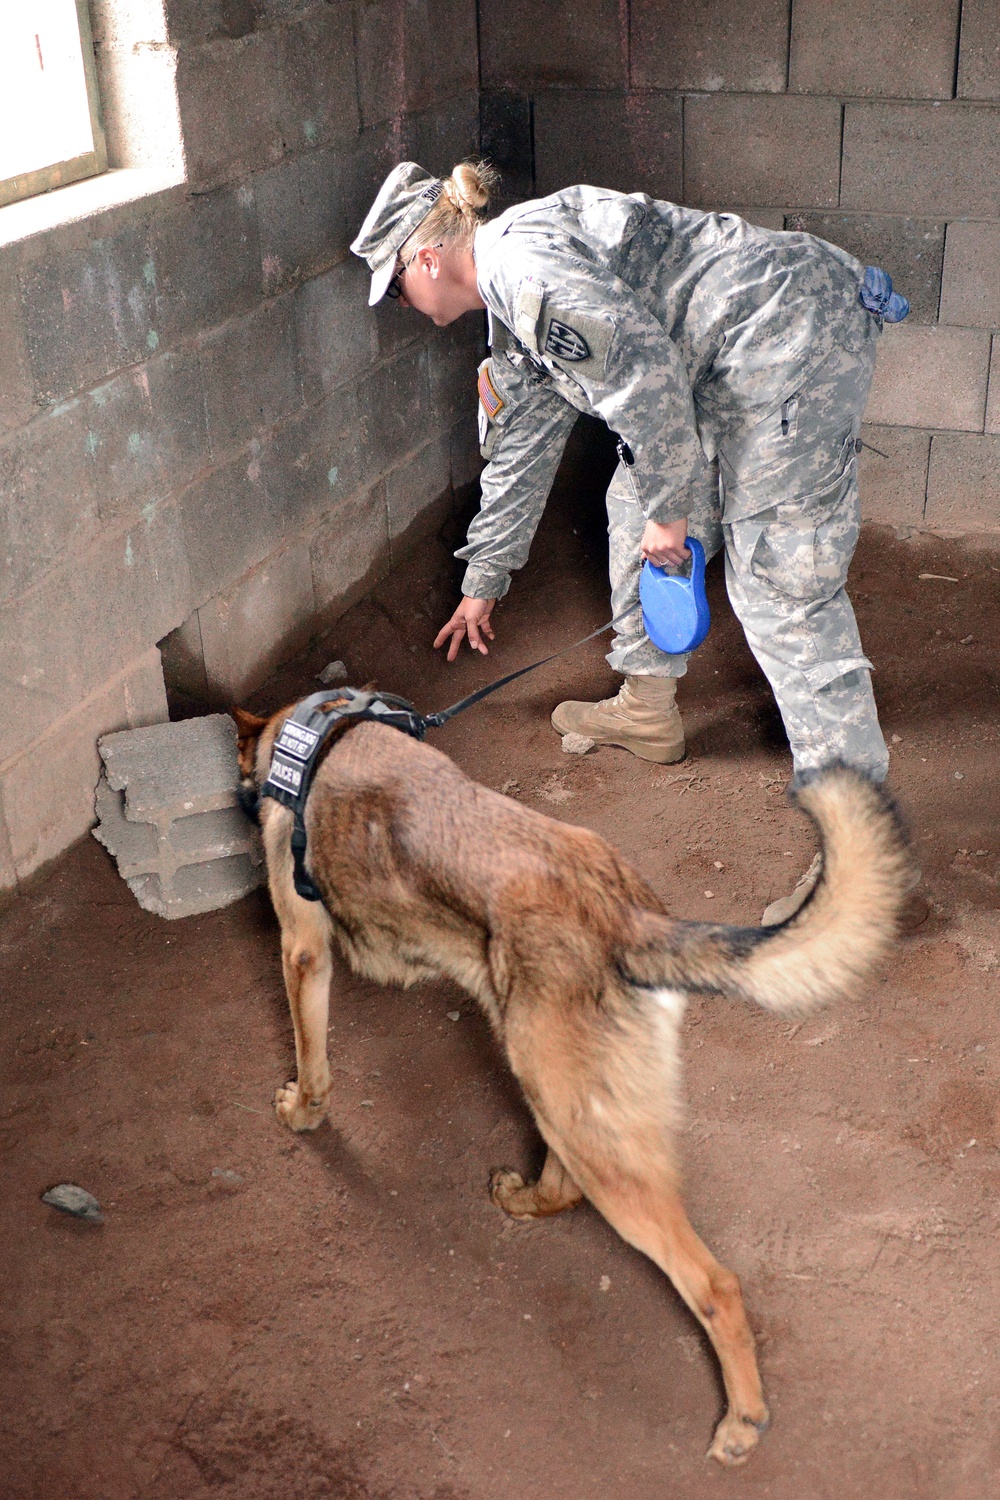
(914, 912)
(641, 717)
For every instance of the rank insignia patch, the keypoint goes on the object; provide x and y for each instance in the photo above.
(564, 342)
(492, 403)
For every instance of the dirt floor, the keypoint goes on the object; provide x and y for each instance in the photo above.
(346, 1315)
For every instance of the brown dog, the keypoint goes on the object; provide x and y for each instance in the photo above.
(582, 975)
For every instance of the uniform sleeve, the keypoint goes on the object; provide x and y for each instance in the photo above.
(528, 435)
(589, 327)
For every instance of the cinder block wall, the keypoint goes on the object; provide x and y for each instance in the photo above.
(205, 433)
(873, 123)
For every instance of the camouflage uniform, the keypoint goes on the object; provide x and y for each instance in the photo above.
(735, 363)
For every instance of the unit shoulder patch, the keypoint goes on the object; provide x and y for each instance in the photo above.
(573, 338)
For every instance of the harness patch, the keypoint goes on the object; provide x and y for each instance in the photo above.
(564, 342)
(488, 394)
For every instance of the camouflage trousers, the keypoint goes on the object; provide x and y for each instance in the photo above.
(782, 499)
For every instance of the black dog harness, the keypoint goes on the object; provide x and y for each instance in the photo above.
(304, 733)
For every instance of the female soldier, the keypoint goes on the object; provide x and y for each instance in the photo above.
(696, 337)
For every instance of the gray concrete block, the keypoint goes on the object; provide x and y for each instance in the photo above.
(893, 480)
(89, 309)
(930, 377)
(922, 159)
(204, 262)
(395, 402)
(145, 434)
(413, 53)
(47, 793)
(48, 507)
(41, 677)
(251, 628)
(526, 45)
(423, 478)
(336, 330)
(134, 589)
(231, 113)
(630, 142)
(318, 458)
(167, 804)
(17, 401)
(763, 218)
(453, 357)
(970, 295)
(446, 133)
(911, 250)
(761, 149)
(350, 549)
(466, 459)
(208, 20)
(318, 84)
(900, 49)
(963, 487)
(306, 214)
(993, 403)
(231, 520)
(250, 371)
(710, 45)
(979, 51)
(507, 140)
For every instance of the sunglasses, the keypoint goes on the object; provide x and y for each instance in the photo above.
(395, 287)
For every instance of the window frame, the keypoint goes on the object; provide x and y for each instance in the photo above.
(75, 168)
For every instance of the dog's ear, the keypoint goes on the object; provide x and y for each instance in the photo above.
(248, 729)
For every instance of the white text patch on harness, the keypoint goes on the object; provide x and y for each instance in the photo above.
(563, 342)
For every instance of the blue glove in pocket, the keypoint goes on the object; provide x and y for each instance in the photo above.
(675, 608)
(878, 296)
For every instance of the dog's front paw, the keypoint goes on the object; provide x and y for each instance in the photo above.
(736, 1437)
(296, 1113)
(507, 1190)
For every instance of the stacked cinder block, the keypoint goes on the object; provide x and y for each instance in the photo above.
(168, 810)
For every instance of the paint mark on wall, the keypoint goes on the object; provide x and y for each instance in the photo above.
(134, 442)
(331, 477)
(129, 555)
(149, 273)
(93, 442)
(152, 339)
(311, 132)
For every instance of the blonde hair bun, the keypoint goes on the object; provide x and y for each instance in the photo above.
(471, 186)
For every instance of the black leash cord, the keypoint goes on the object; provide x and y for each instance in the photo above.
(434, 721)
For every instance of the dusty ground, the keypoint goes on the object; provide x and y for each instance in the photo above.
(349, 1316)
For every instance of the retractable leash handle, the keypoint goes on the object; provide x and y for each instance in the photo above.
(675, 608)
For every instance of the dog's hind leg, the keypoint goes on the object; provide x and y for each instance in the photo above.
(307, 965)
(554, 1191)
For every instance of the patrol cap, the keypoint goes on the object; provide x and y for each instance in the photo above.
(404, 200)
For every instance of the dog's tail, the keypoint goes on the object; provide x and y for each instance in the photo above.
(830, 943)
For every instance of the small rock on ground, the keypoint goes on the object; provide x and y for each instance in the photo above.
(333, 673)
(576, 744)
(70, 1199)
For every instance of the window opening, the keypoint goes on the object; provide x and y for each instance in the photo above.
(51, 132)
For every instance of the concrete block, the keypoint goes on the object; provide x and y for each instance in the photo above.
(17, 402)
(134, 589)
(257, 624)
(336, 330)
(207, 20)
(911, 250)
(204, 262)
(930, 377)
(899, 49)
(466, 459)
(710, 45)
(40, 673)
(452, 361)
(526, 45)
(970, 295)
(979, 51)
(632, 142)
(168, 810)
(48, 507)
(444, 134)
(307, 218)
(763, 218)
(47, 793)
(318, 83)
(89, 309)
(142, 123)
(231, 520)
(318, 458)
(993, 404)
(250, 371)
(395, 402)
(894, 486)
(145, 434)
(412, 53)
(922, 159)
(963, 487)
(423, 478)
(228, 92)
(507, 140)
(350, 549)
(741, 148)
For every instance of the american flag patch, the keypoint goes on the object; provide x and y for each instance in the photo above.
(487, 394)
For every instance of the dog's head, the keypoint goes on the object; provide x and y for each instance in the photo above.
(254, 738)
